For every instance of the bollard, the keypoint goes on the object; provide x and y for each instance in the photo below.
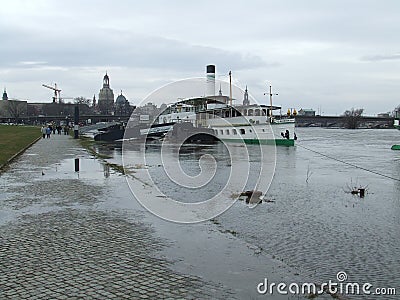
(76, 122)
(362, 193)
(76, 164)
(76, 131)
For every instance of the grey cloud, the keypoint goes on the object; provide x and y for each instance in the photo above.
(381, 57)
(117, 48)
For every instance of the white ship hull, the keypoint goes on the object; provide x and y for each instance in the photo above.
(239, 129)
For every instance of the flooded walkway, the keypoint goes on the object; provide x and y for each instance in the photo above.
(58, 242)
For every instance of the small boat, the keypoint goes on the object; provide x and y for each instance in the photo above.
(110, 133)
(120, 132)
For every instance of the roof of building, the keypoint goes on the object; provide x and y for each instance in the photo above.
(120, 99)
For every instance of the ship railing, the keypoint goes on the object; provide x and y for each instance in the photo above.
(283, 120)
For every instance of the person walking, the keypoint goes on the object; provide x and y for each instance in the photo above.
(59, 128)
(43, 131)
(48, 131)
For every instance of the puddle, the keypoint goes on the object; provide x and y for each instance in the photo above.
(89, 169)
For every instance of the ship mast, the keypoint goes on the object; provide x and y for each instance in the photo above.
(270, 102)
(230, 88)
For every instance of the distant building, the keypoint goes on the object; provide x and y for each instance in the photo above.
(122, 106)
(106, 98)
(35, 109)
(145, 114)
(383, 115)
(5, 96)
(306, 112)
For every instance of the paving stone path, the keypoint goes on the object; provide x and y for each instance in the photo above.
(59, 245)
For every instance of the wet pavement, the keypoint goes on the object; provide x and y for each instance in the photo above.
(58, 240)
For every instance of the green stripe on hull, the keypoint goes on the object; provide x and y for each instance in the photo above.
(279, 142)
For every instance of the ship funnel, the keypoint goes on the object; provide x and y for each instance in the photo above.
(210, 80)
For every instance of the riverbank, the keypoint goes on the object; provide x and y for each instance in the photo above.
(14, 140)
(58, 244)
(73, 235)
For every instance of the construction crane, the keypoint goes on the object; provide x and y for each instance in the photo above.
(57, 92)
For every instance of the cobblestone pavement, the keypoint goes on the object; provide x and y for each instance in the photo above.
(59, 245)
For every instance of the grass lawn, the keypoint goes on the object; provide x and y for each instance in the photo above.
(14, 139)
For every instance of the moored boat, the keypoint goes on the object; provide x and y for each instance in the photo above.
(251, 124)
(120, 132)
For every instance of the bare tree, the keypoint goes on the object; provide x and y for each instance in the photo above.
(352, 118)
(82, 100)
(15, 109)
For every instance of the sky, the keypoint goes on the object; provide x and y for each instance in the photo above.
(328, 55)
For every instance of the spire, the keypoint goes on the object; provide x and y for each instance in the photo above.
(5, 96)
(220, 90)
(246, 97)
(106, 81)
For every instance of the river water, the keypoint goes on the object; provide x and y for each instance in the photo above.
(313, 224)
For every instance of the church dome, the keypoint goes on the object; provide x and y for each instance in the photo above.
(120, 100)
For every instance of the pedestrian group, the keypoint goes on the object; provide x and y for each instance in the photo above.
(52, 128)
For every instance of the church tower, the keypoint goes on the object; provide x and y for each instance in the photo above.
(106, 81)
(220, 90)
(5, 96)
(106, 97)
(246, 97)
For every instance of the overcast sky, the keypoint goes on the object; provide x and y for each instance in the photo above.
(328, 55)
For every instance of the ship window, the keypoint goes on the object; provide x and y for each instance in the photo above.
(250, 130)
(216, 132)
(226, 114)
(227, 132)
(234, 131)
(242, 131)
(221, 131)
(264, 112)
(245, 112)
(250, 113)
(257, 112)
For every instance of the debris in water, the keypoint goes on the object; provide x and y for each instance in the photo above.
(360, 191)
(252, 197)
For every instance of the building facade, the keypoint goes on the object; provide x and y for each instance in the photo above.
(306, 112)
